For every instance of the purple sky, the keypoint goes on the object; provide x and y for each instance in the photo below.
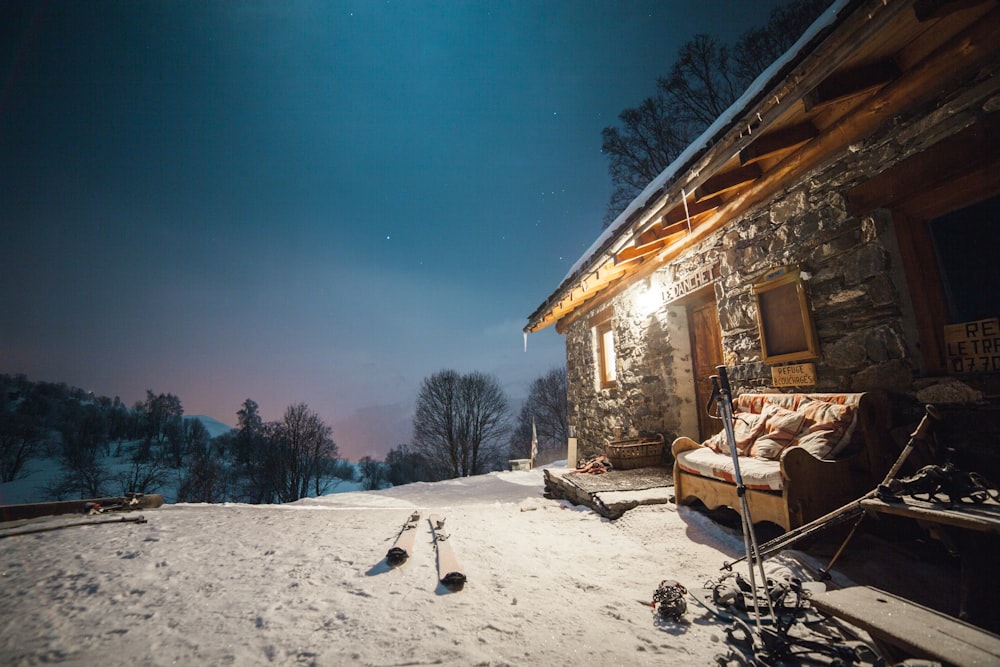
(322, 202)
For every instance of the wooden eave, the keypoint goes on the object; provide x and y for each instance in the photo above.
(878, 60)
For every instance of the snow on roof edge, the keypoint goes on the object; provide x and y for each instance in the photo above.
(705, 140)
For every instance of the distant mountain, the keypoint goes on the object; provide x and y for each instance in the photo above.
(214, 427)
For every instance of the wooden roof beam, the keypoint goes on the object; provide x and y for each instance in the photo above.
(926, 10)
(778, 141)
(694, 209)
(726, 181)
(639, 251)
(944, 162)
(851, 82)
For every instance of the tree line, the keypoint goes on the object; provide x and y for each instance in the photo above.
(258, 462)
(463, 425)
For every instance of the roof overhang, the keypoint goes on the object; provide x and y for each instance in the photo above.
(859, 64)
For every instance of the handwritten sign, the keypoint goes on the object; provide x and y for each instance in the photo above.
(689, 282)
(973, 347)
(797, 375)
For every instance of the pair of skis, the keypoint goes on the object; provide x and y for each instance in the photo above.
(449, 572)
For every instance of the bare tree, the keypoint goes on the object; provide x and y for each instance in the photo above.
(373, 473)
(546, 409)
(705, 79)
(19, 441)
(297, 448)
(459, 423)
(405, 466)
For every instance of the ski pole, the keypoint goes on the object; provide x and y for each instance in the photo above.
(721, 388)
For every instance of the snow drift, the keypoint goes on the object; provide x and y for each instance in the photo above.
(308, 583)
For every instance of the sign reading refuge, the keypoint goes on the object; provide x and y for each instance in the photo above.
(973, 347)
(797, 375)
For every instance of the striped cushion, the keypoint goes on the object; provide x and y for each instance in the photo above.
(757, 474)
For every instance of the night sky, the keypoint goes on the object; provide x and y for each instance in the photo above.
(319, 202)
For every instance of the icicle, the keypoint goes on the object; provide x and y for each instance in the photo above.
(686, 213)
(525, 341)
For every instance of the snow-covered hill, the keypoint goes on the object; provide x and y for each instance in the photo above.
(307, 583)
(214, 427)
(42, 474)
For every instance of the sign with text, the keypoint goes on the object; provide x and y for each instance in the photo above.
(796, 375)
(973, 347)
(689, 282)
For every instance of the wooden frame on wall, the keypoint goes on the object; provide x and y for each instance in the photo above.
(785, 324)
(607, 363)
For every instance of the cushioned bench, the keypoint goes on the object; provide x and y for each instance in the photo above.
(801, 455)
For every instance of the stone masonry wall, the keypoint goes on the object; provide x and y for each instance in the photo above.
(851, 270)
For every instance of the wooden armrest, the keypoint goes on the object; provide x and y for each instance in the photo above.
(683, 444)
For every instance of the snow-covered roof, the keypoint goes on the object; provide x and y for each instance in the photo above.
(707, 138)
(758, 90)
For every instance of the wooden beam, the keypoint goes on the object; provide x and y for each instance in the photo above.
(635, 252)
(926, 10)
(851, 82)
(778, 141)
(694, 208)
(943, 162)
(726, 181)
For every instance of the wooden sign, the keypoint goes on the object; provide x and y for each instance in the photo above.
(689, 282)
(797, 375)
(973, 347)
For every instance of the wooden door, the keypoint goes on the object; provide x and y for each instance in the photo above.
(706, 354)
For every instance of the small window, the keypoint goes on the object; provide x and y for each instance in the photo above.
(607, 369)
(786, 328)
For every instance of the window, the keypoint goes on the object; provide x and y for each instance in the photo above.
(968, 276)
(607, 369)
(783, 320)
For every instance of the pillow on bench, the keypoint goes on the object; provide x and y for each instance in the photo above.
(747, 427)
(826, 429)
(781, 427)
(821, 428)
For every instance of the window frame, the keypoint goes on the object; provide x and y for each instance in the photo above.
(604, 334)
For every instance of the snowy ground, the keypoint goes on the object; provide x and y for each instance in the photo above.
(307, 583)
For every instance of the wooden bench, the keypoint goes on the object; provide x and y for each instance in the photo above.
(811, 486)
(911, 629)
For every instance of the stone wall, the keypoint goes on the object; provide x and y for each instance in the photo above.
(851, 269)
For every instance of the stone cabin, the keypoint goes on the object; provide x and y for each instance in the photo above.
(825, 234)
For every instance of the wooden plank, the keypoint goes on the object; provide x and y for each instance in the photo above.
(678, 215)
(772, 143)
(917, 630)
(726, 181)
(941, 163)
(984, 517)
(83, 506)
(851, 82)
(926, 10)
